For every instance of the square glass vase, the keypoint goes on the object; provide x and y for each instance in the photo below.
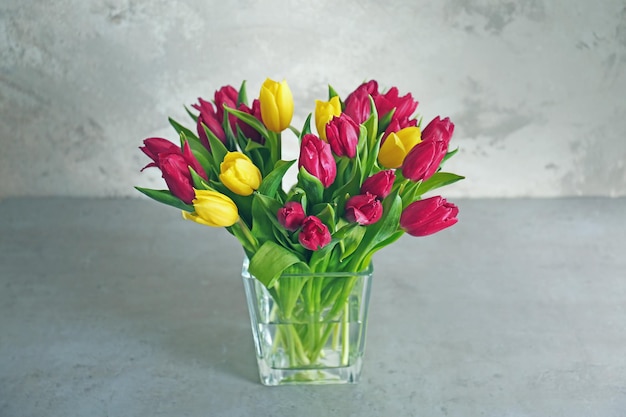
(309, 328)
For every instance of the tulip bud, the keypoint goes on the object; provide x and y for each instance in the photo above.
(174, 166)
(439, 130)
(276, 105)
(397, 145)
(226, 96)
(208, 117)
(324, 112)
(379, 184)
(314, 234)
(404, 106)
(154, 146)
(316, 157)
(239, 174)
(291, 215)
(342, 134)
(357, 104)
(425, 217)
(213, 209)
(247, 130)
(364, 209)
(424, 160)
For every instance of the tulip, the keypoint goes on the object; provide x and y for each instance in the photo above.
(276, 105)
(208, 117)
(364, 209)
(314, 234)
(397, 145)
(342, 134)
(425, 217)
(424, 160)
(317, 158)
(154, 146)
(246, 129)
(404, 106)
(379, 184)
(213, 209)
(357, 104)
(438, 130)
(291, 215)
(324, 112)
(239, 174)
(226, 96)
(174, 165)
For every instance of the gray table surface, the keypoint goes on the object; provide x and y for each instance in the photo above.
(118, 307)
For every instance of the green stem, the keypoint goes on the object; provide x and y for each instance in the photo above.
(345, 334)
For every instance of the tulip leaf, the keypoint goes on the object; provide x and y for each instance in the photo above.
(250, 120)
(449, 155)
(182, 129)
(166, 197)
(242, 98)
(273, 180)
(383, 123)
(332, 93)
(306, 128)
(350, 237)
(199, 183)
(218, 150)
(271, 260)
(311, 185)
(439, 179)
(371, 124)
(193, 116)
(320, 258)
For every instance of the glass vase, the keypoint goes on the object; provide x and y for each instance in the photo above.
(309, 328)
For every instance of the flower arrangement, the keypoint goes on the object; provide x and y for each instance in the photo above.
(359, 188)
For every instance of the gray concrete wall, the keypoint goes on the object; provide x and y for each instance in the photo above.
(536, 88)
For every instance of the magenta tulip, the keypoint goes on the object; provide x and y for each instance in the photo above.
(424, 160)
(291, 215)
(174, 165)
(317, 158)
(357, 104)
(425, 217)
(154, 146)
(208, 117)
(314, 234)
(363, 209)
(246, 129)
(379, 184)
(438, 130)
(342, 133)
(404, 106)
(226, 96)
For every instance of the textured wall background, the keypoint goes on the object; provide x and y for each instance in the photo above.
(536, 88)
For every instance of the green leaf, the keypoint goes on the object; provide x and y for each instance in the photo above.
(306, 128)
(312, 186)
(250, 120)
(273, 180)
(166, 197)
(331, 92)
(218, 150)
(439, 179)
(321, 258)
(384, 122)
(449, 155)
(270, 261)
(193, 116)
(350, 237)
(182, 129)
(242, 97)
(199, 183)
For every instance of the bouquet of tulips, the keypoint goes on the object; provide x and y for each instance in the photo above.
(359, 185)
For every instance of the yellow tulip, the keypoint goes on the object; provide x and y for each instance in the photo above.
(239, 174)
(324, 113)
(276, 105)
(213, 209)
(397, 146)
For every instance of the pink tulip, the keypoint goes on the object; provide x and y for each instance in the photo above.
(425, 217)
(379, 184)
(364, 209)
(342, 133)
(316, 157)
(314, 234)
(291, 215)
